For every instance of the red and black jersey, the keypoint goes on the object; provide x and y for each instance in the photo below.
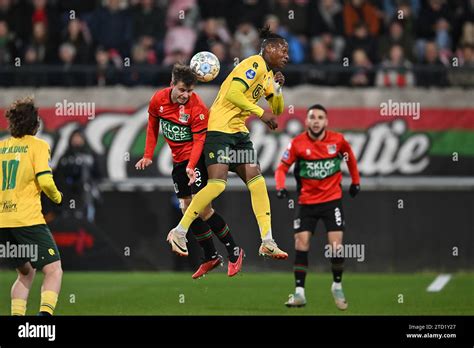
(183, 126)
(317, 167)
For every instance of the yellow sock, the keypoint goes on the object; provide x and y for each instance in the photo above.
(18, 307)
(48, 301)
(260, 204)
(212, 190)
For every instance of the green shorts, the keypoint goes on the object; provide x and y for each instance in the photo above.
(34, 244)
(231, 149)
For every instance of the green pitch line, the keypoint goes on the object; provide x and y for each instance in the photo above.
(122, 293)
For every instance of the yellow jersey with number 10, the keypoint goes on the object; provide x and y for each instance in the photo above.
(22, 160)
(258, 79)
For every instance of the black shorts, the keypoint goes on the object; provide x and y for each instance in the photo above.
(37, 242)
(180, 179)
(307, 216)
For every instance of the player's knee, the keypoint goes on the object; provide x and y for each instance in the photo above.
(218, 186)
(54, 269)
(301, 242)
(206, 213)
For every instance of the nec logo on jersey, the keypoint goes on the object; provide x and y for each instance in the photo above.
(183, 117)
(332, 149)
(250, 74)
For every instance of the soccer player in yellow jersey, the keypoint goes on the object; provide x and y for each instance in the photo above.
(24, 173)
(228, 145)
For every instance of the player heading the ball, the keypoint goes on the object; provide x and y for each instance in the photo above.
(228, 145)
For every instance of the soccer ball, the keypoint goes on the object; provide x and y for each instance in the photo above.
(205, 65)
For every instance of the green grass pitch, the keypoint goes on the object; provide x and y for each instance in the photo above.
(160, 293)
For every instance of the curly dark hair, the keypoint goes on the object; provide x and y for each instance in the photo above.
(22, 117)
(183, 73)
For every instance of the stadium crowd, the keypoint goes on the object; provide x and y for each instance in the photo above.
(391, 43)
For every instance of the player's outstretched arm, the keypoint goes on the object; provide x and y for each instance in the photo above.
(150, 143)
(48, 186)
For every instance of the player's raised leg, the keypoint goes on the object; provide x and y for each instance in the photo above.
(302, 244)
(337, 267)
(251, 175)
(215, 186)
(21, 289)
(222, 232)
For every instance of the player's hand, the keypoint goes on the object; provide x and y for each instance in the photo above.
(191, 175)
(143, 163)
(279, 78)
(354, 190)
(270, 120)
(62, 199)
(283, 193)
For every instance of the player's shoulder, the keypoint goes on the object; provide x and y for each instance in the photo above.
(334, 136)
(302, 137)
(37, 142)
(160, 94)
(253, 62)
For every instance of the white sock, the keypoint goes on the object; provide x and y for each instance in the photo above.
(299, 291)
(181, 230)
(268, 236)
(336, 286)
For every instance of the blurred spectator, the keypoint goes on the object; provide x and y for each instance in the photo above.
(293, 15)
(320, 73)
(179, 44)
(465, 56)
(326, 17)
(77, 174)
(213, 8)
(7, 47)
(395, 70)
(361, 39)
(149, 25)
(396, 36)
(246, 41)
(356, 11)
(67, 58)
(182, 13)
(295, 47)
(137, 74)
(82, 42)
(361, 75)
(105, 73)
(45, 48)
(111, 27)
(391, 8)
(247, 11)
(220, 50)
(212, 31)
(433, 72)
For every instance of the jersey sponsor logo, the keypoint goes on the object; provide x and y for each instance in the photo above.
(175, 132)
(257, 92)
(8, 207)
(332, 149)
(250, 74)
(296, 223)
(338, 216)
(319, 169)
(183, 117)
(198, 181)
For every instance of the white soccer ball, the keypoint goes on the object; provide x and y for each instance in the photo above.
(205, 65)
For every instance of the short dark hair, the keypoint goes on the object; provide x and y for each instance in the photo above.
(269, 37)
(22, 116)
(183, 73)
(317, 107)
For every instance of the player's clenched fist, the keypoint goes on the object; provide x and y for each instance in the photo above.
(191, 175)
(270, 120)
(279, 78)
(143, 163)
